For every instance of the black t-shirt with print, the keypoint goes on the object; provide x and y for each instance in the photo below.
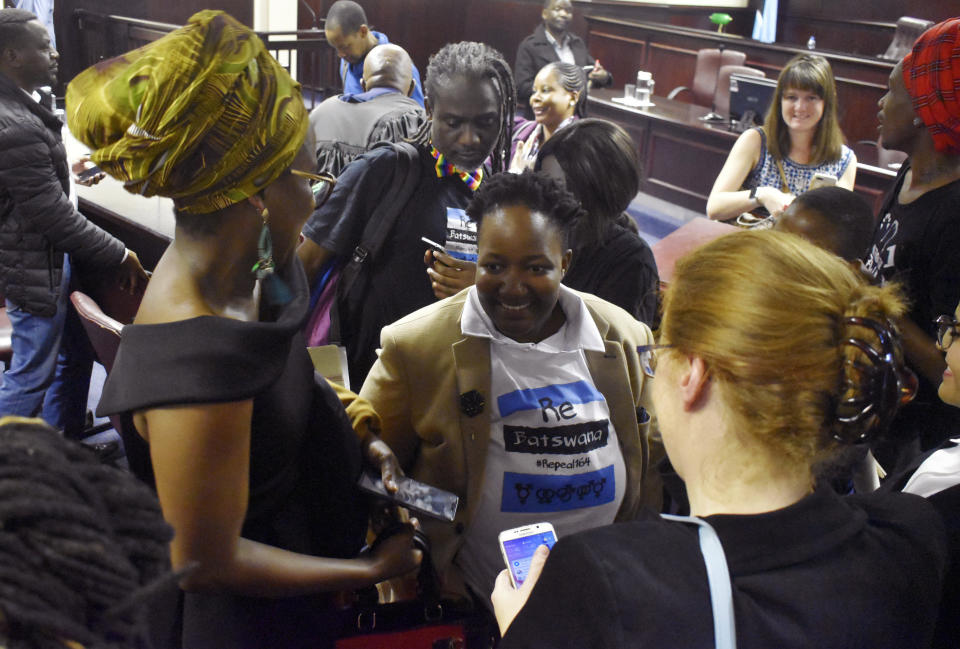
(918, 245)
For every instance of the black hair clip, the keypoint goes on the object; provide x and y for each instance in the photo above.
(884, 384)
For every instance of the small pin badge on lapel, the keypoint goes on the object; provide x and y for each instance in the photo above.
(472, 403)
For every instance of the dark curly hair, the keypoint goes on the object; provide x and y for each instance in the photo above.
(474, 61)
(537, 191)
(83, 545)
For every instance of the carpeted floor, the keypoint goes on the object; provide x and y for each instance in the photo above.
(656, 218)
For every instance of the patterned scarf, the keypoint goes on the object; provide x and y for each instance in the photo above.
(931, 73)
(445, 168)
(203, 115)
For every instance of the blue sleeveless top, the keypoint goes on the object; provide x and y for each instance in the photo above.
(765, 173)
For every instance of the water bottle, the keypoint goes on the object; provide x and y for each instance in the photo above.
(644, 87)
(811, 43)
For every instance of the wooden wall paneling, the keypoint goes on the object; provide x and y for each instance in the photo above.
(852, 25)
(671, 57)
(621, 55)
(671, 67)
(682, 169)
(857, 108)
(868, 38)
(679, 16)
(876, 10)
(179, 11)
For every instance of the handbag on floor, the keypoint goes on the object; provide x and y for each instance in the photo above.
(425, 622)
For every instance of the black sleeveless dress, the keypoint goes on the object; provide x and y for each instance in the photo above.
(304, 457)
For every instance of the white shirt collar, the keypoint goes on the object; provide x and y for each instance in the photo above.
(557, 43)
(578, 332)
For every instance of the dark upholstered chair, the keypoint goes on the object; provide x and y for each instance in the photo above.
(723, 85)
(102, 330)
(705, 75)
(907, 32)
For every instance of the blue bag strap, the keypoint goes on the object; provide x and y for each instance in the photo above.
(718, 576)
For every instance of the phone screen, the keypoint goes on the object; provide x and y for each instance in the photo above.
(87, 174)
(520, 551)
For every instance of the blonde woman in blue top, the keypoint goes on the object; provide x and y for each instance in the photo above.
(771, 165)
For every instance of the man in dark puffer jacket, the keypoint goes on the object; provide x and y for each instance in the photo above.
(39, 227)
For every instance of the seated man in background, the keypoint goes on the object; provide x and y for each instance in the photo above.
(348, 125)
(833, 218)
(550, 42)
(347, 31)
(470, 103)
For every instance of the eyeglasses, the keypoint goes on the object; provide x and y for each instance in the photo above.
(648, 358)
(320, 184)
(946, 331)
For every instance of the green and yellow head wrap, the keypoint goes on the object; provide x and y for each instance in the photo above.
(203, 115)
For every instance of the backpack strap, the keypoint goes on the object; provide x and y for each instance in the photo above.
(406, 176)
(718, 577)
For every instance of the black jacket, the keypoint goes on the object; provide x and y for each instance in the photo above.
(861, 572)
(38, 224)
(535, 51)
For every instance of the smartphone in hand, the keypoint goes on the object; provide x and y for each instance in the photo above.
(88, 174)
(822, 180)
(420, 497)
(518, 545)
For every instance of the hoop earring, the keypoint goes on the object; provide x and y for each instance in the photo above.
(917, 122)
(275, 290)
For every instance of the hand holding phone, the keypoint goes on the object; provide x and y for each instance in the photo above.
(87, 176)
(518, 546)
(822, 180)
(510, 593)
(412, 494)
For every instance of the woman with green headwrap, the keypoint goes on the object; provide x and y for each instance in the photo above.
(245, 451)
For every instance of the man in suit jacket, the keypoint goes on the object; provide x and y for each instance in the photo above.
(551, 41)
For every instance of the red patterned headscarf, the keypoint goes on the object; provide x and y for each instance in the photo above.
(932, 75)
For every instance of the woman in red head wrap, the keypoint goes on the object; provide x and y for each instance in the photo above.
(917, 240)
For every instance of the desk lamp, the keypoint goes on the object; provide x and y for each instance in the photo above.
(720, 20)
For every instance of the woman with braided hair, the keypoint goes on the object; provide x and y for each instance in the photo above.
(82, 544)
(756, 381)
(559, 97)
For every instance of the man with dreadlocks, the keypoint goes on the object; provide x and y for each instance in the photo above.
(83, 545)
(470, 103)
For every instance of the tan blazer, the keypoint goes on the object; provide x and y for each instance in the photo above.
(426, 364)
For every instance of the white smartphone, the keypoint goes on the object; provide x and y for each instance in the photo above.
(822, 180)
(433, 244)
(518, 545)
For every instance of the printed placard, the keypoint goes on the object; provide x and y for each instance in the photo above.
(461, 240)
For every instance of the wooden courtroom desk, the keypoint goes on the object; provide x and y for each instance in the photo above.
(686, 238)
(145, 225)
(681, 156)
(669, 52)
